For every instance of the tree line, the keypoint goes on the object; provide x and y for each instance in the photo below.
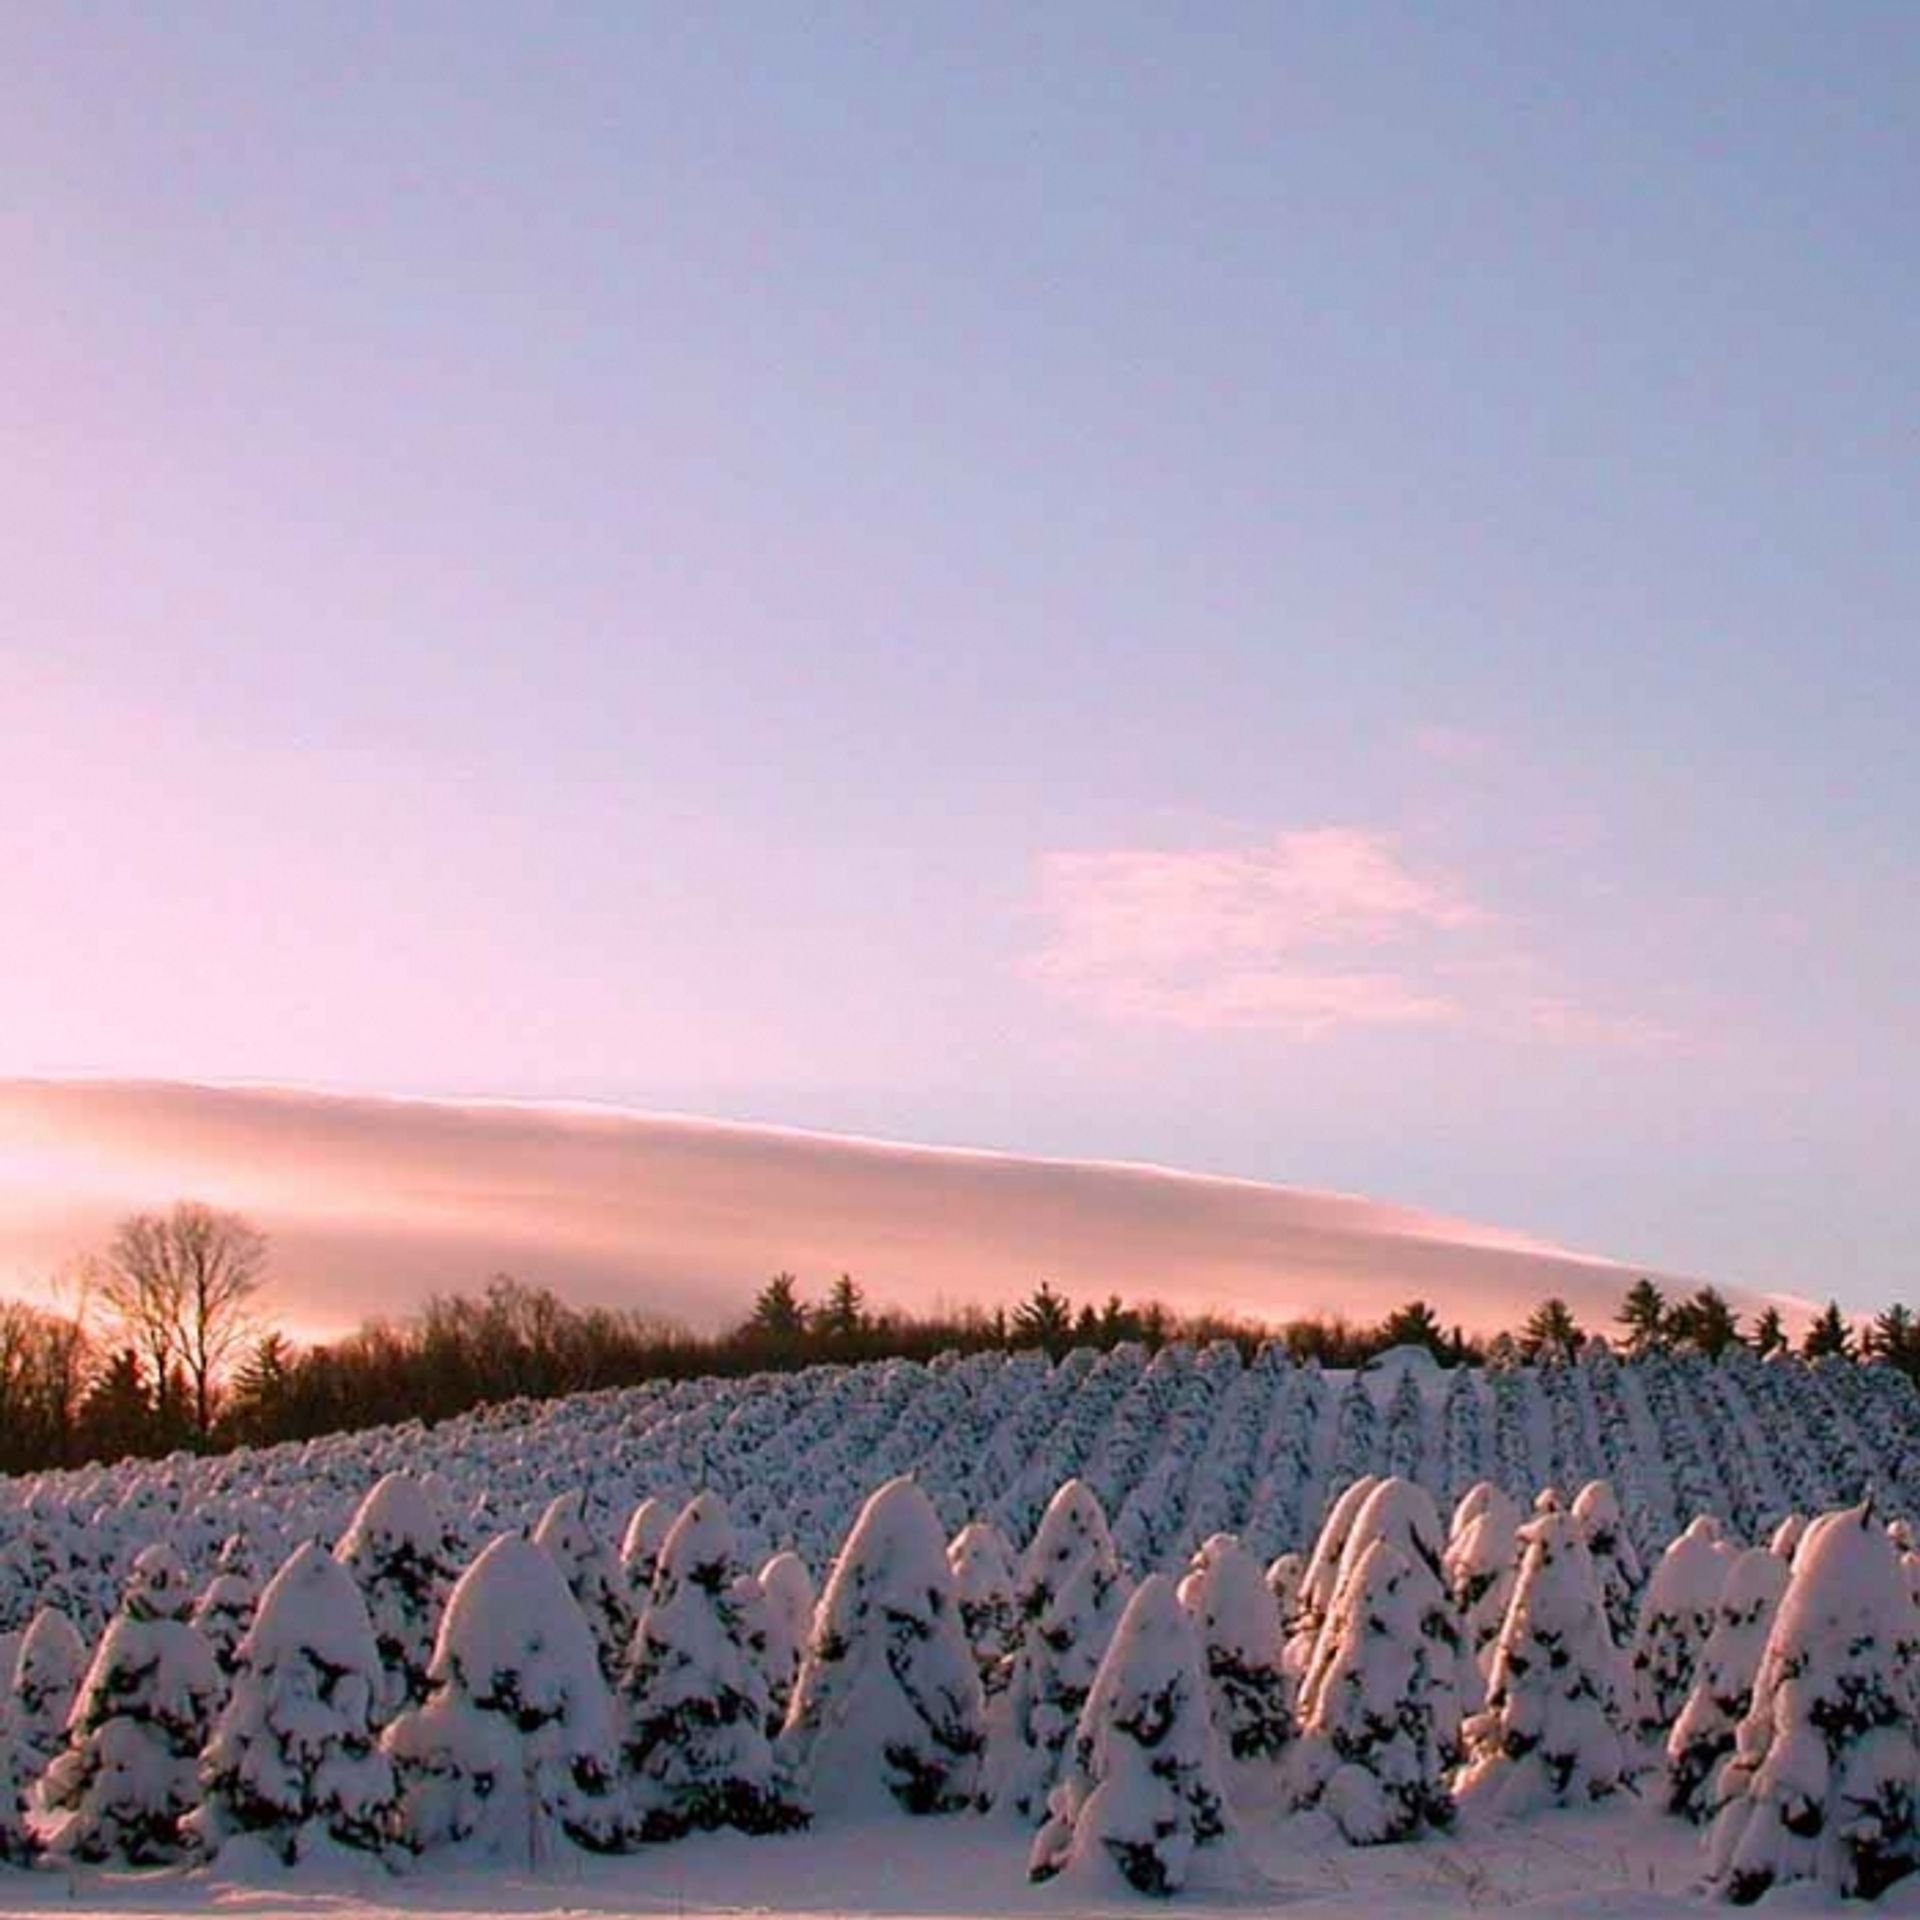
(160, 1345)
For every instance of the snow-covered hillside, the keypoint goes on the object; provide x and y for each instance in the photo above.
(1177, 1446)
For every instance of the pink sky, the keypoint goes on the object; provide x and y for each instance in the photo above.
(374, 1203)
(1206, 598)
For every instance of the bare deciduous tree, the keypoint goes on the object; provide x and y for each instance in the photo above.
(180, 1284)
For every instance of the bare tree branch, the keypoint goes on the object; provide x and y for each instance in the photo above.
(180, 1285)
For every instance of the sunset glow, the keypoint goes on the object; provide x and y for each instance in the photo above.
(374, 1204)
(1329, 600)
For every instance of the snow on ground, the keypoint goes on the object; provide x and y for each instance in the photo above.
(1616, 1862)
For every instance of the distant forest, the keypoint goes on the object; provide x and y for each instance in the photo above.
(160, 1345)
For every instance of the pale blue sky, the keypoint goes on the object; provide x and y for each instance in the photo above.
(1327, 593)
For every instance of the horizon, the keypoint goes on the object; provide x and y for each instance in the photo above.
(374, 1203)
(1322, 599)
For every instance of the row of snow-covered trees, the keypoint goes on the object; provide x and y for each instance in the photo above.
(164, 1346)
(558, 1693)
(1178, 1445)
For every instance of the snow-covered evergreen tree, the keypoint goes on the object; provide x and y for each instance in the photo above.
(1380, 1707)
(1722, 1692)
(788, 1600)
(595, 1578)
(1141, 1797)
(646, 1533)
(1676, 1615)
(888, 1706)
(513, 1751)
(1549, 1733)
(1073, 1527)
(1404, 1443)
(1785, 1538)
(1285, 1572)
(695, 1744)
(158, 1585)
(1238, 1620)
(294, 1760)
(1402, 1514)
(1071, 1593)
(1355, 1438)
(1369, 1752)
(126, 1777)
(224, 1610)
(1481, 1565)
(1322, 1575)
(1614, 1559)
(1463, 1439)
(403, 1555)
(1825, 1772)
(983, 1575)
(47, 1672)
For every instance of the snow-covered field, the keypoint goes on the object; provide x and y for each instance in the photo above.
(1621, 1861)
(1245, 1634)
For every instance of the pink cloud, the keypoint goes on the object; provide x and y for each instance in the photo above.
(1315, 930)
(1320, 928)
(372, 1204)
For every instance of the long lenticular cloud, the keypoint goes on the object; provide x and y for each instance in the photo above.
(373, 1204)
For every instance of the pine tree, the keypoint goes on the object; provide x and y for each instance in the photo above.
(646, 1534)
(1285, 1572)
(888, 1707)
(126, 1778)
(983, 1576)
(1703, 1735)
(47, 1672)
(1070, 1595)
(294, 1760)
(1238, 1621)
(778, 1318)
(1551, 1332)
(1676, 1616)
(1822, 1782)
(1769, 1333)
(1370, 1751)
(788, 1597)
(1322, 1574)
(1414, 1325)
(1643, 1316)
(1481, 1566)
(842, 1318)
(695, 1750)
(1045, 1320)
(1380, 1707)
(1705, 1322)
(1401, 1514)
(593, 1575)
(1549, 1733)
(512, 1754)
(1614, 1559)
(402, 1554)
(1140, 1796)
(1828, 1337)
(1894, 1339)
(225, 1608)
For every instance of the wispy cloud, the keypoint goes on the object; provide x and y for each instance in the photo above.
(1311, 931)
(1319, 928)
